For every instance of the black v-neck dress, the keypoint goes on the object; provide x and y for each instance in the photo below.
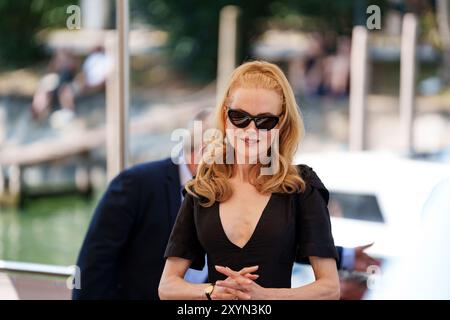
(291, 228)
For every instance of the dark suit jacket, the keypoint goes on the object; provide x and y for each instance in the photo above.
(122, 254)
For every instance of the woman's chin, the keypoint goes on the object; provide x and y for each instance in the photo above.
(248, 158)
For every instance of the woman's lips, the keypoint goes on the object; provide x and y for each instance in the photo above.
(249, 141)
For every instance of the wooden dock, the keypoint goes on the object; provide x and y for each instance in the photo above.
(80, 143)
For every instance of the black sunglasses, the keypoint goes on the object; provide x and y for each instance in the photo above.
(242, 119)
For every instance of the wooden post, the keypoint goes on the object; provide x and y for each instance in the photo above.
(15, 180)
(358, 89)
(117, 94)
(227, 49)
(112, 168)
(123, 82)
(95, 14)
(2, 182)
(408, 80)
(3, 119)
(443, 23)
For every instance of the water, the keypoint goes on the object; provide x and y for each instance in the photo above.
(47, 230)
(51, 230)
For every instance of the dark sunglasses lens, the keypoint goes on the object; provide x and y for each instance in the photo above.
(267, 123)
(238, 119)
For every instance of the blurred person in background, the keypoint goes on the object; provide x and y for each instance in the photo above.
(95, 71)
(312, 68)
(50, 92)
(323, 71)
(64, 85)
(337, 69)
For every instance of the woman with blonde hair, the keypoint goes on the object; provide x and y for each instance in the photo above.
(253, 218)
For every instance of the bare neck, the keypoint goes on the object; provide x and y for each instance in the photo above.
(241, 172)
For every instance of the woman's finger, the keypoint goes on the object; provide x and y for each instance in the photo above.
(243, 281)
(229, 284)
(239, 294)
(222, 296)
(240, 283)
(234, 275)
(226, 271)
(248, 270)
(251, 276)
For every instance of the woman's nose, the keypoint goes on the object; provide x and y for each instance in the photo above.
(251, 125)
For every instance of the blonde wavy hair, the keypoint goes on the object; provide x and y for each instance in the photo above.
(211, 181)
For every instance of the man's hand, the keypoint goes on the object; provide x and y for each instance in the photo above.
(352, 288)
(363, 260)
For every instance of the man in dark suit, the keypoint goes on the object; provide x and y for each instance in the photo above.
(122, 254)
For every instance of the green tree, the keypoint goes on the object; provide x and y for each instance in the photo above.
(193, 28)
(20, 21)
(193, 24)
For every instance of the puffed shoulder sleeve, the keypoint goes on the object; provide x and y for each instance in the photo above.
(183, 241)
(314, 237)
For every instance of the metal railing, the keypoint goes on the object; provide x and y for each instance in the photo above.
(36, 268)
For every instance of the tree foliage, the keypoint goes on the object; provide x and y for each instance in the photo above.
(193, 24)
(20, 21)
